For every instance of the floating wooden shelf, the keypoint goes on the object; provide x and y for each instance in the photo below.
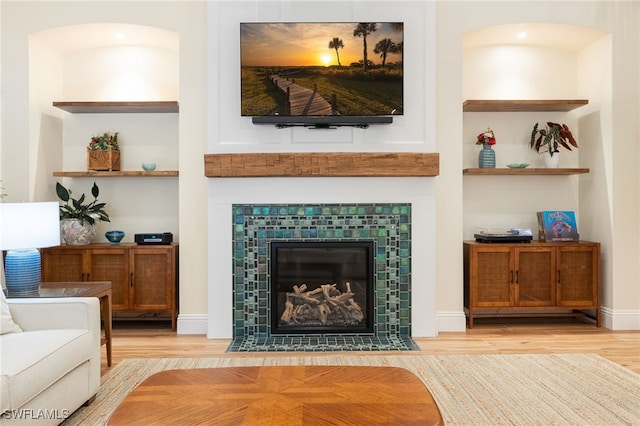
(127, 173)
(118, 107)
(524, 172)
(487, 105)
(316, 164)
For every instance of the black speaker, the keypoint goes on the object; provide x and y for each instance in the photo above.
(150, 239)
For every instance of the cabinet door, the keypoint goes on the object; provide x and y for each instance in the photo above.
(535, 276)
(578, 275)
(112, 264)
(491, 276)
(64, 264)
(153, 278)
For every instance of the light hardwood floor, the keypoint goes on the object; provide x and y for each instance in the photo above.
(156, 340)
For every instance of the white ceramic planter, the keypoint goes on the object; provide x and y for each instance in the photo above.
(551, 162)
(72, 232)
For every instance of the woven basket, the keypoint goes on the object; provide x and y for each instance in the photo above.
(102, 160)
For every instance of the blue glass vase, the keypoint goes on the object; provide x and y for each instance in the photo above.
(487, 157)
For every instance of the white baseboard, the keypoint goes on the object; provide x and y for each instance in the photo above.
(621, 319)
(192, 323)
(451, 321)
(198, 323)
(447, 321)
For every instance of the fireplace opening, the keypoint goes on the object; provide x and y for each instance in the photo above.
(322, 287)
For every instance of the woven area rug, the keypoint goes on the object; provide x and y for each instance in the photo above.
(563, 389)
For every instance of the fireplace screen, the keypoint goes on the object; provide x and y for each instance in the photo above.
(322, 287)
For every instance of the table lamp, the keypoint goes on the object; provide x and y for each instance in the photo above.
(24, 228)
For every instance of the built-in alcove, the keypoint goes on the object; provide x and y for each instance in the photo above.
(98, 77)
(510, 85)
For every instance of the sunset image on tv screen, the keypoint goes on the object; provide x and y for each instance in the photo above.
(321, 69)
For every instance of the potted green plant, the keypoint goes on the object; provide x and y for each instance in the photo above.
(104, 141)
(103, 152)
(551, 138)
(78, 217)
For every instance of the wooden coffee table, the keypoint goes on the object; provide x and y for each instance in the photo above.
(280, 395)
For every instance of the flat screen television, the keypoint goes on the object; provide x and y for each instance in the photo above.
(322, 74)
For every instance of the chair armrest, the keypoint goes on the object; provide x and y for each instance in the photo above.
(56, 313)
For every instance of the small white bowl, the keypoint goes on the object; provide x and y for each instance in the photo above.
(149, 167)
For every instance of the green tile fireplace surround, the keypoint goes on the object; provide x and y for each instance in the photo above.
(388, 226)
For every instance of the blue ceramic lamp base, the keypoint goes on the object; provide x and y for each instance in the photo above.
(22, 272)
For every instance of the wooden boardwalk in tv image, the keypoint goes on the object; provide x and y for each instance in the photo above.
(302, 100)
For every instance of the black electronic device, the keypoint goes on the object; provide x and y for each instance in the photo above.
(150, 239)
(502, 238)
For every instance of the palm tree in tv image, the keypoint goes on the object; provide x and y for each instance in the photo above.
(383, 48)
(336, 44)
(398, 27)
(363, 30)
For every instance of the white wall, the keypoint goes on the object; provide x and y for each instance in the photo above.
(229, 132)
(122, 73)
(596, 195)
(45, 140)
(625, 135)
(510, 71)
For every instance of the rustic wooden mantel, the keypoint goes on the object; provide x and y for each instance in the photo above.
(322, 164)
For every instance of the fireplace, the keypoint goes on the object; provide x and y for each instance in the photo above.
(321, 287)
(317, 248)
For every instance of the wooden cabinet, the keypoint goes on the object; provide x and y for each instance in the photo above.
(143, 278)
(531, 279)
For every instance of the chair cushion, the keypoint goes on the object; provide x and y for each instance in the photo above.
(6, 320)
(33, 360)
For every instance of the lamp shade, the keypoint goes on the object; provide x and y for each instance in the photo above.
(29, 225)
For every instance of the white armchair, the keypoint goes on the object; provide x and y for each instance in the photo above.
(52, 367)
